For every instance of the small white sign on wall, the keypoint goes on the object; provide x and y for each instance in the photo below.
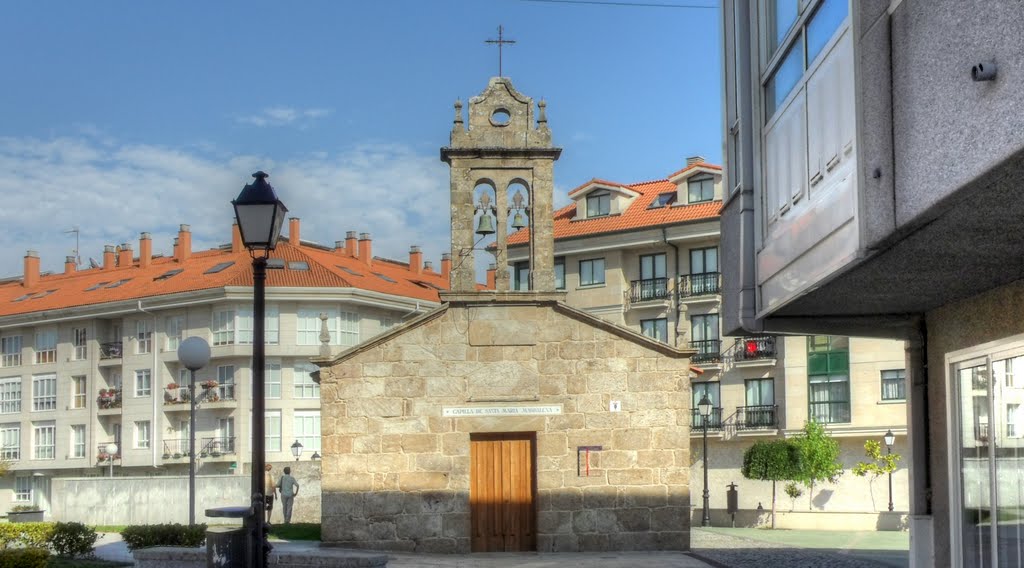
(615, 406)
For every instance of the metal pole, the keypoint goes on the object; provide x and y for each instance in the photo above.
(706, 519)
(110, 460)
(259, 276)
(192, 451)
(890, 481)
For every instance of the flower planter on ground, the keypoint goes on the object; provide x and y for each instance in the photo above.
(25, 516)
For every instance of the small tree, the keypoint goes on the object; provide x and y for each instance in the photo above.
(819, 458)
(880, 464)
(774, 460)
(794, 492)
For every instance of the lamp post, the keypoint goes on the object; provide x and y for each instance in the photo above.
(889, 439)
(111, 452)
(297, 450)
(704, 407)
(259, 214)
(194, 354)
(315, 456)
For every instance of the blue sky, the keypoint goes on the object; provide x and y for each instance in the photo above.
(123, 117)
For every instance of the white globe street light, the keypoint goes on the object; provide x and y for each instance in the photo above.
(111, 452)
(194, 354)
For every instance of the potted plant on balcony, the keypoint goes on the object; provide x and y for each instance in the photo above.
(25, 514)
(211, 384)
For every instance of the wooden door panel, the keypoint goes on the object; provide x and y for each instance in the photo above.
(502, 489)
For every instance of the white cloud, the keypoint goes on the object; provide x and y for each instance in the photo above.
(284, 116)
(113, 192)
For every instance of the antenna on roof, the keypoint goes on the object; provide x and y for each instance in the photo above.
(78, 259)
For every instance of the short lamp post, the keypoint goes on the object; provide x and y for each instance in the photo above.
(704, 407)
(194, 354)
(315, 456)
(889, 439)
(297, 450)
(111, 452)
(259, 214)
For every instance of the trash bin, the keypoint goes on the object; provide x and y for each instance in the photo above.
(229, 547)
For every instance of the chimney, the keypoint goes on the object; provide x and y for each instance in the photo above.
(415, 259)
(124, 258)
(350, 244)
(428, 266)
(446, 264)
(694, 160)
(492, 277)
(293, 231)
(108, 257)
(31, 269)
(365, 249)
(236, 239)
(145, 250)
(184, 249)
(70, 264)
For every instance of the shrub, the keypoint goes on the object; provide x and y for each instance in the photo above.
(145, 536)
(24, 508)
(26, 535)
(72, 539)
(24, 558)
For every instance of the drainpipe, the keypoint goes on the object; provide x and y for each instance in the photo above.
(411, 312)
(153, 429)
(675, 283)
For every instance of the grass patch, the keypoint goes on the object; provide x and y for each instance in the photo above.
(296, 531)
(57, 562)
(109, 528)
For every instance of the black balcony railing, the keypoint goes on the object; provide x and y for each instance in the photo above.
(714, 420)
(830, 412)
(703, 284)
(758, 417)
(649, 289)
(708, 351)
(218, 446)
(981, 432)
(176, 449)
(110, 350)
(754, 348)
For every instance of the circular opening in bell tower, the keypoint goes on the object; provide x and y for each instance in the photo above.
(500, 117)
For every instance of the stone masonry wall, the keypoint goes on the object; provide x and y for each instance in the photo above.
(396, 473)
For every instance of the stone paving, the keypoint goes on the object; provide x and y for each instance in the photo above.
(729, 551)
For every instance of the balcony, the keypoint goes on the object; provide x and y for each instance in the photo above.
(830, 412)
(110, 350)
(759, 417)
(752, 350)
(103, 457)
(218, 446)
(714, 421)
(208, 394)
(176, 449)
(108, 401)
(697, 285)
(206, 447)
(708, 351)
(649, 290)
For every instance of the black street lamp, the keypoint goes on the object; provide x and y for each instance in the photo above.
(889, 439)
(297, 450)
(259, 214)
(704, 407)
(194, 354)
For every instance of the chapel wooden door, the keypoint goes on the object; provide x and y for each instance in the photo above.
(502, 492)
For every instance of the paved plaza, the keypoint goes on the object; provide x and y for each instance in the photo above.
(714, 547)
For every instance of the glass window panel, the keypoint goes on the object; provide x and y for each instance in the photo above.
(560, 273)
(785, 77)
(781, 17)
(823, 26)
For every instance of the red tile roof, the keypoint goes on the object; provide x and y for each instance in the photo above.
(637, 216)
(95, 285)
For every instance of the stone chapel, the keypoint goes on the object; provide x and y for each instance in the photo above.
(505, 420)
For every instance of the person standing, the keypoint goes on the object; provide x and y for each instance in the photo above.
(271, 489)
(289, 490)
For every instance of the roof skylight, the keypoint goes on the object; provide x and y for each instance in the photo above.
(298, 265)
(96, 286)
(663, 200)
(382, 277)
(169, 273)
(219, 267)
(349, 270)
(118, 283)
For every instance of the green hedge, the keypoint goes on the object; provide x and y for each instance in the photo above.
(146, 536)
(24, 558)
(72, 539)
(25, 535)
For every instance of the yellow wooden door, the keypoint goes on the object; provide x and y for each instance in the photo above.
(502, 492)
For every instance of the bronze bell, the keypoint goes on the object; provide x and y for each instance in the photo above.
(485, 226)
(518, 222)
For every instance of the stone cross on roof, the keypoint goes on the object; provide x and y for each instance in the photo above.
(500, 42)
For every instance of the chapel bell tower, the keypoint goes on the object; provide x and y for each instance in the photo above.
(502, 178)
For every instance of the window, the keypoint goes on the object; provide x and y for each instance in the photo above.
(142, 434)
(308, 327)
(894, 385)
(598, 204)
(43, 441)
(303, 382)
(10, 346)
(655, 329)
(173, 328)
(144, 336)
(521, 276)
(592, 272)
(701, 188)
(78, 441)
(828, 371)
(343, 326)
(652, 266)
(143, 382)
(271, 325)
(78, 386)
(219, 267)
(226, 431)
(653, 283)
(79, 338)
(226, 382)
(662, 200)
(244, 324)
(44, 392)
(272, 379)
(713, 391)
(46, 346)
(272, 431)
(117, 434)
(10, 442)
(10, 395)
(559, 273)
(23, 489)
(760, 392)
(224, 327)
(704, 260)
(307, 429)
(1012, 418)
(704, 338)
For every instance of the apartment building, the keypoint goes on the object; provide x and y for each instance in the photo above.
(89, 357)
(646, 256)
